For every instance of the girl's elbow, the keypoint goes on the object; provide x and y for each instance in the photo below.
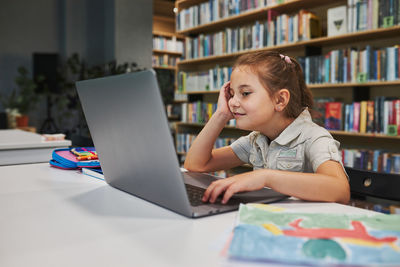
(192, 167)
(187, 166)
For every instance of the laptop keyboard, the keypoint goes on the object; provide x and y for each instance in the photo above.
(195, 195)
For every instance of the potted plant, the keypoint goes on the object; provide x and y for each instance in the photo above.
(21, 100)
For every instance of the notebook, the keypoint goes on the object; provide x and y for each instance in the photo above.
(129, 127)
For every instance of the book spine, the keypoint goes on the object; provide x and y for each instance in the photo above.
(356, 120)
(363, 117)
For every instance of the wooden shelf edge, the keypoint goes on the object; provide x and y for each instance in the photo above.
(343, 133)
(164, 67)
(322, 86)
(346, 85)
(168, 34)
(164, 18)
(157, 51)
(366, 135)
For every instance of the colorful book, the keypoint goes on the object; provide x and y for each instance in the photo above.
(370, 117)
(318, 113)
(333, 115)
(356, 117)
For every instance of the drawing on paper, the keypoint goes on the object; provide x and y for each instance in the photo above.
(266, 234)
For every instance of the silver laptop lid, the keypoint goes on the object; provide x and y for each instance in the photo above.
(128, 124)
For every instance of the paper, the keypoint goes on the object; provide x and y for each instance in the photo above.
(266, 234)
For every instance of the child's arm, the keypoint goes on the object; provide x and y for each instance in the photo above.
(201, 156)
(329, 183)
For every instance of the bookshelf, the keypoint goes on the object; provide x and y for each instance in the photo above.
(348, 91)
(167, 50)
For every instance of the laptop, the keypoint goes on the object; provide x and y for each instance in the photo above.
(129, 128)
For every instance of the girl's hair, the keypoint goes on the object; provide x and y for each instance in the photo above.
(275, 72)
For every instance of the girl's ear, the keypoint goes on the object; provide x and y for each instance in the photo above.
(281, 99)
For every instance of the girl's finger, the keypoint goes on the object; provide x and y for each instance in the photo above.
(208, 191)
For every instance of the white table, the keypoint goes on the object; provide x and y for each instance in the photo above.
(52, 217)
(20, 147)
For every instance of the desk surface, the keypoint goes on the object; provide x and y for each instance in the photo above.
(52, 217)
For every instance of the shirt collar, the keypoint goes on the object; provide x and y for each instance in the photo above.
(294, 129)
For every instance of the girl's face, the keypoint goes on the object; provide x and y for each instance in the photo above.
(250, 102)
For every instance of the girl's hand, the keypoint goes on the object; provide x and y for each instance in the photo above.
(223, 98)
(238, 183)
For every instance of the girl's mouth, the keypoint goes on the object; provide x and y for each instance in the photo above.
(237, 114)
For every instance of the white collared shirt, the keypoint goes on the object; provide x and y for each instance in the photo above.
(301, 147)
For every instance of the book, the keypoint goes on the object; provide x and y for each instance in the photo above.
(337, 20)
(333, 115)
(356, 116)
(370, 117)
(96, 173)
(363, 117)
(318, 112)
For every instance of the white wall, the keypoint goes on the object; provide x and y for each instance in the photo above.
(99, 30)
(25, 27)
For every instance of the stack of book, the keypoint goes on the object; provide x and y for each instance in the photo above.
(371, 160)
(167, 44)
(184, 141)
(352, 65)
(275, 30)
(211, 80)
(378, 116)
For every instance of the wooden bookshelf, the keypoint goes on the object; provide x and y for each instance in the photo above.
(164, 26)
(380, 37)
(322, 41)
(165, 67)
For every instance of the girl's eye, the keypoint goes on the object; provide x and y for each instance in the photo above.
(246, 93)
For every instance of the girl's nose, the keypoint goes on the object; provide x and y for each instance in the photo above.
(233, 101)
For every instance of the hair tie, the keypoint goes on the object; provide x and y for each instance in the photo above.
(286, 58)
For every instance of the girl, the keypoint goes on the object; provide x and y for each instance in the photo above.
(289, 153)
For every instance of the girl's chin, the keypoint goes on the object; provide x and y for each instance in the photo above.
(243, 126)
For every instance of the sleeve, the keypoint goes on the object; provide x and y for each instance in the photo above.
(322, 149)
(242, 147)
